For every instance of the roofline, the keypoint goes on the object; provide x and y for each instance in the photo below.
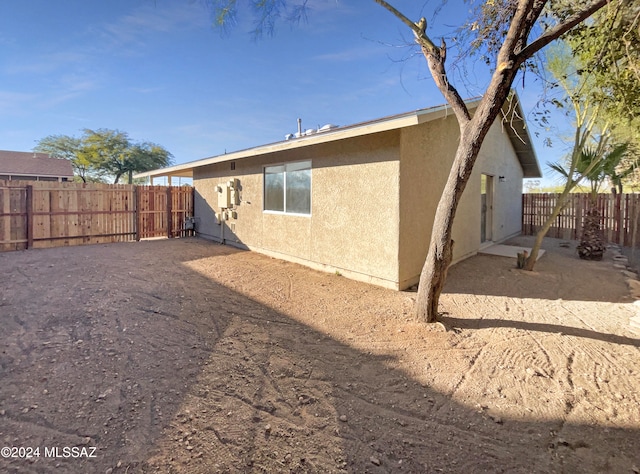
(43, 174)
(526, 154)
(384, 124)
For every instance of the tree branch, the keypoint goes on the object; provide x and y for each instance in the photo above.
(560, 29)
(435, 57)
(419, 29)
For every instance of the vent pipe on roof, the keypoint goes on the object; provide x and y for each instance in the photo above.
(299, 127)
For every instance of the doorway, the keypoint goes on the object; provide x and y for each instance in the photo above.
(486, 212)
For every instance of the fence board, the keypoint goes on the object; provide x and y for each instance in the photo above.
(49, 214)
(13, 235)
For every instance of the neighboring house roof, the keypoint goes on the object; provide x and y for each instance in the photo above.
(515, 126)
(26, 163)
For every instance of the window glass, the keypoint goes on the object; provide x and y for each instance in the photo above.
(299, 191)
(287, 188)
(274, 188)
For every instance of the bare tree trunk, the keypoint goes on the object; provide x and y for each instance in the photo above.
(434, 271)
(530, 262)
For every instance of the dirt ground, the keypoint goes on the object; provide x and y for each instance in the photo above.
(184, 356)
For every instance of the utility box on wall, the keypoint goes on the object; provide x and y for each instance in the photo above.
(224, 196)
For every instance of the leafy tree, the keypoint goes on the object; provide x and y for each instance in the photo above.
(608, 168)
(70, 148)
(591, 133)
(105, 152)
(147, 156)
(608, 49)
(502, 30)
(109, 150)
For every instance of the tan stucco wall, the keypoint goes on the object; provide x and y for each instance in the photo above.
(497, 158)
(353, 226)
(427, 153)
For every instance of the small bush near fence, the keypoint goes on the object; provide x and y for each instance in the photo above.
(49, 214)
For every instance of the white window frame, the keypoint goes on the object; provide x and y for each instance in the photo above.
(286, 165)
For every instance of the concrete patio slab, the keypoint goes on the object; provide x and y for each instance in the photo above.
(507, 250)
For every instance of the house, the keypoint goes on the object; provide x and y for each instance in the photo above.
(30, 166)
(360, 199)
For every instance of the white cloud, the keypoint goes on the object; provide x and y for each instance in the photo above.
(131, 30)
(67, 87)
(46, 64)
(351, 54)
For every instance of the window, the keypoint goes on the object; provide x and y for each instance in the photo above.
(287, 188)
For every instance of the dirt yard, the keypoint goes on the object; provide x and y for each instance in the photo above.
(184, 356)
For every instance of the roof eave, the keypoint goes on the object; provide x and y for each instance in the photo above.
(517, 131)
(516, 128)
(342, 133)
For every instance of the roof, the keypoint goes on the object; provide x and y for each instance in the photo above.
(26, 163)
(512, 113)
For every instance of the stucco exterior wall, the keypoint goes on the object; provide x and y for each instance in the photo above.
(353, 226)
(497, 158)
(427, 152)
(373, 200)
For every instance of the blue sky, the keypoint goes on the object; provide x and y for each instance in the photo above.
(161, 72)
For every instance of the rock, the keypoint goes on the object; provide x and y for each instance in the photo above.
(634, 286)
(496, 419)
(375, 461)
(344, 418)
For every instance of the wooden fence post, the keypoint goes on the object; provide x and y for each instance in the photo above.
(169, 213)
(618, 215)
(136, 211)
(577, 219)
(29, 220)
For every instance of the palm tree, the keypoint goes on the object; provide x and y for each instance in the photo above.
(592, 244)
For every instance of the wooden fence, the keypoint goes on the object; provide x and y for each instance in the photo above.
(42, 214)
(620, 216)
